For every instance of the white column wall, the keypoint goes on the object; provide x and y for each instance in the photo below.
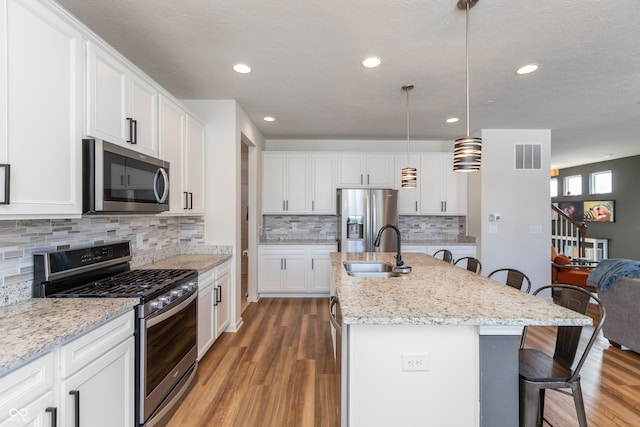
(226, 125)
(522, 199)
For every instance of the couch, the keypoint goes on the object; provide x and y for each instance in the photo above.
(563, 270)
(622, 302)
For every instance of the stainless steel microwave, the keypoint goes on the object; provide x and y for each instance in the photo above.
(116, 179)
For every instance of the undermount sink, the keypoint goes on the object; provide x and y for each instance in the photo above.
(370, 269)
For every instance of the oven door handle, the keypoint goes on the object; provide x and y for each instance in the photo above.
(163, 315)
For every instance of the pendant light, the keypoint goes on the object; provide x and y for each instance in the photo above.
(467, 151)
(409, 174)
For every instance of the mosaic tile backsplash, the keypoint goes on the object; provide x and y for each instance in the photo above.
(153, 238)
(324, 227)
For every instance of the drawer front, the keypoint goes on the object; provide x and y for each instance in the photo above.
(83, 350)
(222, 269)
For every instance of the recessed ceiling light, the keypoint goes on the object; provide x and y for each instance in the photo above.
(269, 119)
(242, 68)
(371, 62)
(452, 120)
(527, 69)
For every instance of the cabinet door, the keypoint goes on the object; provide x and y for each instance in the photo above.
(295, 273)
(144, 110)
(107, 102)
(270, 267)
(41, 115)
(172, 130)
(26, 392)
(36, 413)
(106, 390)
(223, 284)
(296, 184)
(320, 272)
(323, 184)
(430, 184)
(379, 169)
(350, 170)
(273, 177)
(194, 166)
(408, 198)
(454, 187)
(206, 314)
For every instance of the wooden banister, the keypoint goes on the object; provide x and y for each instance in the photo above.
(567, 230)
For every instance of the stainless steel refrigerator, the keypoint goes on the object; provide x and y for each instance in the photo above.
(361, 214)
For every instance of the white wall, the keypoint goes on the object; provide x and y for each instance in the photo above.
(226, 125)
(522, 199)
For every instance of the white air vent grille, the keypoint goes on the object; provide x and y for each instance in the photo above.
(528, 156)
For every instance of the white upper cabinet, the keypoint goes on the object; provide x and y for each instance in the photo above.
(172, 119)
(182, 141)
(365, 170)
(408, 198)
(298, 183)
(442, 191)
(323, 184)
(122, 107)
(285, 183)
(194, 166)
(41, 126)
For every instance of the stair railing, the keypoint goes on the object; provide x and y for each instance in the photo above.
(567, 234)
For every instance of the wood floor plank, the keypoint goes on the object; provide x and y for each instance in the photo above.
(278, 371)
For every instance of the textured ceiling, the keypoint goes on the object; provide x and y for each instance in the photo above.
(306, 58)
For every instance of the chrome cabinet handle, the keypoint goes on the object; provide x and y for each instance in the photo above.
(76, 394)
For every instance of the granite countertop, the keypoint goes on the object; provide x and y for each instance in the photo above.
(438, 293)
(31, 328)
(198, 262)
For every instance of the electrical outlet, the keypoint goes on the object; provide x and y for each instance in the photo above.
(415, 361)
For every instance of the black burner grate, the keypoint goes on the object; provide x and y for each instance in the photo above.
(134, 283)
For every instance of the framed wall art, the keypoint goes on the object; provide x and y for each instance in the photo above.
(598, 211)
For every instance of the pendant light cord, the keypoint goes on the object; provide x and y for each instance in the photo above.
(467, 62)
(407, 89)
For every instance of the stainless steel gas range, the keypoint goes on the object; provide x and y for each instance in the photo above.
(166, 326)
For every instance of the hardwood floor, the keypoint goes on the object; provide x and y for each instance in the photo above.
(278, 371)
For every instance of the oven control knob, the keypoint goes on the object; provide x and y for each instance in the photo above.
(166, 299)
(156, 304)
(177, 293)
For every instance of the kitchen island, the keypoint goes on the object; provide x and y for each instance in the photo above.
(437, 346)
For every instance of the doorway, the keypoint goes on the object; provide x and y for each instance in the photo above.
(244, 225)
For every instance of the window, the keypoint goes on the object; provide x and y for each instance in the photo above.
(554, 187)
(573, 185)
(600, 183)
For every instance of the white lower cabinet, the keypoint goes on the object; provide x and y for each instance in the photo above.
(206, 312)
(294, 270)
(91, 376)
(27, 392)
(223, 303)
(458, 251)
(213, 305)
(101, 394)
